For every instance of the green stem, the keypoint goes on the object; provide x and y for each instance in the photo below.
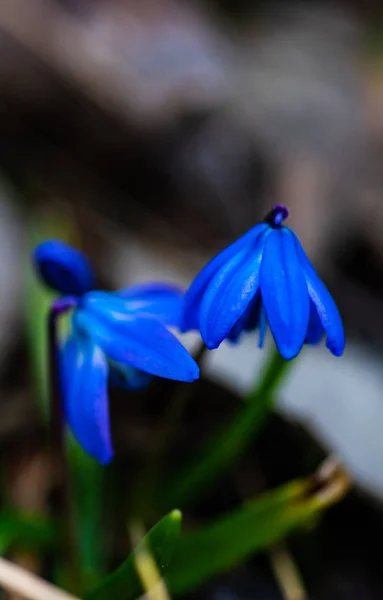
(223, 449)
(149, 482)
(62, 507)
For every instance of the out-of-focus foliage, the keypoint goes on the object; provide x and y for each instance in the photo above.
(218, 546)
(22, 531)
(131, 579)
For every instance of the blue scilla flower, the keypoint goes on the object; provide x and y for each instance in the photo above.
(264, 278)
(121, 337)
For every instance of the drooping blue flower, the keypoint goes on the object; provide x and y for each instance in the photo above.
(264, 278)
(121, 337)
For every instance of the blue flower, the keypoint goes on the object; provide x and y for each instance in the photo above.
(119, 337)
(264, 278)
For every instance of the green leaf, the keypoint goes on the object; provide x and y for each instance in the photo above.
(217, 547)
(125, 583)
(224, 448)
(26, 531)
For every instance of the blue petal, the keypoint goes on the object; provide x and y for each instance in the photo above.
(128, 377)
(84, 375)
(195, 293)
(230, 292)
(284, 292)
(327, 310)
(63, 268)
(140, 341)
(315, 329)
(162, 300)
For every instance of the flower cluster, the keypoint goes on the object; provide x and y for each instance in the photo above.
(262, 280)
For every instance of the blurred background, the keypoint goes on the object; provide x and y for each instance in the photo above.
(155, 132)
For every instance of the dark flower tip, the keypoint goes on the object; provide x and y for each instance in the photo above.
(277, 215)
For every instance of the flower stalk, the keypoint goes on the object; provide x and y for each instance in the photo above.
(56, 413)
(225, 446)
(61, 500)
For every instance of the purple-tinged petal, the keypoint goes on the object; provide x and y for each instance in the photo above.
(63, 268)
(84, 378)
(230, 292)
(284, 292)
(196, 291)
(140, 341)
(162, 300)
(327, 310)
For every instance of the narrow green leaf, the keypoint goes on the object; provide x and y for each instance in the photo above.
(26, 531)
(225, 447)
(221, 545)
(160, 542)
